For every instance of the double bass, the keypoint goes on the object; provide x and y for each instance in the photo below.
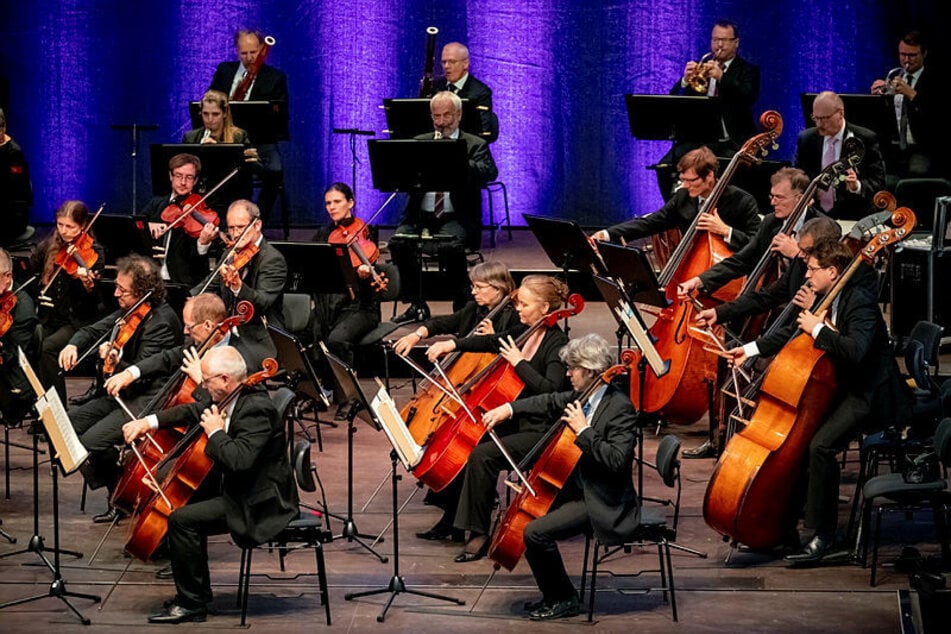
(748, 494)
(554, 466)
(680, 394)
(188, 468)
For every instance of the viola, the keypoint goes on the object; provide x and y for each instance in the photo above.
(188, 468)
(554, 466)
(448, 450)
(133, 485)
(240, 258)
(680, 394)
(8, 301)
(77, 256)
(122, 332)
(747, 497)
(191, 213)
(356, 235)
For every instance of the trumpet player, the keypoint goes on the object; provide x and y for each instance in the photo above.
(734, 80)
(920, 129)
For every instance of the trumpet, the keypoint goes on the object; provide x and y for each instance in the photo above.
(888, 88)
(699, 81)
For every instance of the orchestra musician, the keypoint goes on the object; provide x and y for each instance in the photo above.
(98, 422)
(600, 494)
(457, 80)
(74, 300)
(260, 281)
(538, 365)
(922, 133)
(269, 84)
(259, 497)
(16, 192)
(735, 219)
(871, 393)
(17, 327)
(182, 263)
(821, 145)
(491, 284)
(455, 213)
(729, 77)
(787, 187)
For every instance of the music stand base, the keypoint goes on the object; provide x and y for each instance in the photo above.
(353, 535)
(59, 591)
(398, 586)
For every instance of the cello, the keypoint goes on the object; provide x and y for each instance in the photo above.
(554, 466)
(133, 485)
(680, 395)
(748, 494)
(449, 447)
(189, 467)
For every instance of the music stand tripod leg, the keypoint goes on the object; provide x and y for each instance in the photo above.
(397, 584)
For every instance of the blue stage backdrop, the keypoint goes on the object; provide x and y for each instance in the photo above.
(559, 69)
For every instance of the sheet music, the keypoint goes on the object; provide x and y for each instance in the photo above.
(395, 429)
(641, 337)
(69, 450)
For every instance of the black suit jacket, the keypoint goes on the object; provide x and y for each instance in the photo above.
(72, 303)
(736, 207)
(263, 286)
(269, 85)
(185, 265)
(738, 91)
(607, 454)
(927, 121)
(161, 329)
(767, 298)
(169, 361)
(257, 483)
(871, 170)
(467, 201)
(744, 261)
(19, 335)
(194, 136)
(464, 320)
(476, 91)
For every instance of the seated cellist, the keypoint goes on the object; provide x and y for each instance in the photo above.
(871, 394)
(600, 495)
(467, 501)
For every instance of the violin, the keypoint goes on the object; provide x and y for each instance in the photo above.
(133, 485)
(78, 256)
(192, 212)
(186, 473)
(356, 236)
(122, 332)
(554, 466)
(8, 301)
(234, 258)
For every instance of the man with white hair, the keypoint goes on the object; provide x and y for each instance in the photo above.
(455, 68)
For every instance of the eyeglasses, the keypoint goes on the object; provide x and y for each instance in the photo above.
(722, 40)
(816, 268)
(188, 178)
(684, 179)
(820, 118)
(122, 291)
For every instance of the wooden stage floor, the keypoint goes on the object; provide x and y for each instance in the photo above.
(753, 592)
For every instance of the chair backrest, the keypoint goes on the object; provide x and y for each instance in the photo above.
(296, 311)
(916, 366)
(942, 442)
(929, 335)
(303, 468)
(667, 463)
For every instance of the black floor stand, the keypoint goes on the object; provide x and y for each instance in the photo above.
(350, 531)
(397, 585)
(7, 536)
(58, 585)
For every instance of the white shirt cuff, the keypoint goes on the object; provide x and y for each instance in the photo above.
(134, 371)
(153, 421)
(751, 349)
(203, 248)
(817, 329)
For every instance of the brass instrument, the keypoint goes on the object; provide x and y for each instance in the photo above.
(889, 86)
(426, 83)
(700, 80)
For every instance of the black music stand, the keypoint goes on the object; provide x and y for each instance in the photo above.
(407, 118)
(122, 235)
(674, 118)
(631, 267)
(217, 161)
(347, 379)
(264, 121)
(317, 267)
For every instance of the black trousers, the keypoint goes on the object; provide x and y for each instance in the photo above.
(54, 340)
(188, 531)
(541, 550)
(451, 255)
(480, 478)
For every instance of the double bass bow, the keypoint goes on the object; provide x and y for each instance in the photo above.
(680, 395)
(748, 494)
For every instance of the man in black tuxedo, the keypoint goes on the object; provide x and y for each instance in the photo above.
(457, 213)
(98, 422)
(457, 80)
(732, 79)
(600, 494)
(270, 84)
(261, 281)
(735, 218)
(16, 193)
(182, 263)
(922, 132)
(246, 441)
(821, 145)
(871, 394)
(16, 395)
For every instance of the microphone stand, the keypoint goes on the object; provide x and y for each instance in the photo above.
(134, 130)
(353, 133)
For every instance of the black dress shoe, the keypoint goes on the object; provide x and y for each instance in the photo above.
(176, 613)
(85, 397)
(415, 312)
(109, 516)
(442, 532)
(705, 450)
(813, 552)
(535, 606)
(560, 610)
(164, 573)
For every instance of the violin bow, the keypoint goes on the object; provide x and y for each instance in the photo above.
(224, 260)
(220, 184)
(118, 320)
(138, 456)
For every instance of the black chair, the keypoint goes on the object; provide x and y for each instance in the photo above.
(306, 531)
(653, 528)
(908, 493)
